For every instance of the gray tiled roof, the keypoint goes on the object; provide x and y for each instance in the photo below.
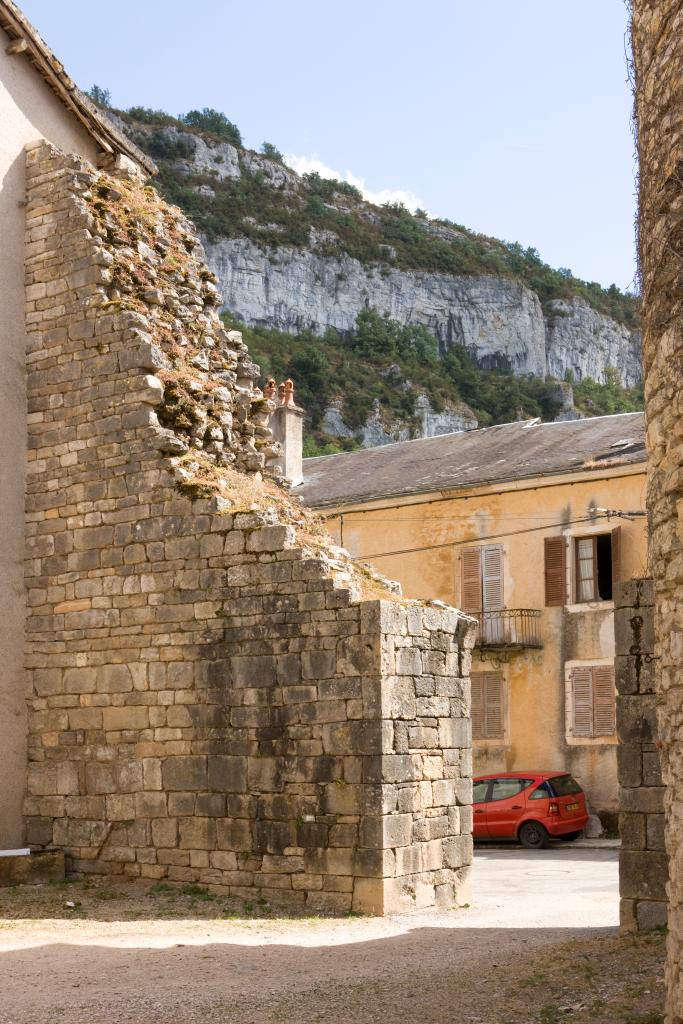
(512, 451)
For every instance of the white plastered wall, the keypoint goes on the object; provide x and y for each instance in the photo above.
(29, 111)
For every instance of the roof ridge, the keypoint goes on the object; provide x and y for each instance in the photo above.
(17, 26)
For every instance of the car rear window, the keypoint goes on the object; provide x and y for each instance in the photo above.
(565, 785)
(542, 792)
(503, 789)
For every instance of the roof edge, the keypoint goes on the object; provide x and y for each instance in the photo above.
(96, 123)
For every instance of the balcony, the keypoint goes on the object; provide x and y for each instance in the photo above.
(510, 629)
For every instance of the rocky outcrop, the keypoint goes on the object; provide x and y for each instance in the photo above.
(382, 429)
(583, 341)
(498, 320)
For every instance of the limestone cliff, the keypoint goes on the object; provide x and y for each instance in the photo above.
(297, 255)
(500, 321)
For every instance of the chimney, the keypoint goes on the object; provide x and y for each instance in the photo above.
(287, 425)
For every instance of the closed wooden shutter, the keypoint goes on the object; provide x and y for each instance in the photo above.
(492, 577)
(616, 555)
(478, 706)
(604, 703)
(582, 702)
(494, 705)
(555, 571)
(471, 594)
(488, 706)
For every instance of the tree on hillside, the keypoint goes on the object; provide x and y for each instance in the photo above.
(271, 152)
(100, 96)
(213, 122)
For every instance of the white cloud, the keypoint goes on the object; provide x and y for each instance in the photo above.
(306, 164)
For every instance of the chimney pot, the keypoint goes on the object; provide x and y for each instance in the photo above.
(287, 425)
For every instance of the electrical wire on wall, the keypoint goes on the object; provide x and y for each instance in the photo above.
(594, 516)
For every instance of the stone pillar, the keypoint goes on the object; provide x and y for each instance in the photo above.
(642, 862)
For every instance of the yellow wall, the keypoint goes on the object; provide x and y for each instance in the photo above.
(427, 536)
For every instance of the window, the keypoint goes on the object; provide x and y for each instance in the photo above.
(542, 792)
(593, 697)
(487, 706)
(565, 785)
(503, 789)
(482, 578)
(479, 791)
(596, 565)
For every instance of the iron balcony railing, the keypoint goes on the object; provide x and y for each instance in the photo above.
(510, 628)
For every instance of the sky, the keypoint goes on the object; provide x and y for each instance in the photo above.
(511, 117)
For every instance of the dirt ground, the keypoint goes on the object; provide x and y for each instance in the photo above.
(96, 952)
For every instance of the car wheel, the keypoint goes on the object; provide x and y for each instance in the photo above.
(533, 835)
(569, 837)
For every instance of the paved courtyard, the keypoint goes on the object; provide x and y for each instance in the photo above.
(127, 954)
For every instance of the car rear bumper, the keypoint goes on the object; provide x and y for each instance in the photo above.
(565, 825)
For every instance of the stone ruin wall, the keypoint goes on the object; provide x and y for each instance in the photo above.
(657, 41)
(643, 865)
(209, 699)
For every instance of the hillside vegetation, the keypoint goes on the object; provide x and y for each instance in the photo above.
(380, 361)
(385, 361)
(249, 206)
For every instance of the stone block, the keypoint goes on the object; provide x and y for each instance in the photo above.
(636, 719)
(642, 875)
(455, 732)
(197, 833)
(358, 656)
(655, 832)
(651, 915)
(632, 831)
(253, 671)
(271, 538)
(36, 869)
(318, 664)
(227, 774)
(398, 698)
(185, 773)
(457, 851)
(119, 719)
(644, 800)
(234, 835)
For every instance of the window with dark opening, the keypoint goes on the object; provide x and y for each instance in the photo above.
(594, 562)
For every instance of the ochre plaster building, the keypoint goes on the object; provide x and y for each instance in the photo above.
(525, 526)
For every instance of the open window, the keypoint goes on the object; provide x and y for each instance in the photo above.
(596, 566)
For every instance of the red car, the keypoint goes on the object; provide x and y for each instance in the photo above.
(532, 807)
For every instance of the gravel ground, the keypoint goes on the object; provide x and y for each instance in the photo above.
(538, 947)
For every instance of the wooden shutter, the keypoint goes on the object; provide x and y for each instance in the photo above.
(470, 600)
(478, 706)
(488, 707)
(582, 702)
(604, 701)
(616, 555)
(555, 571)
(492, 577)
(494, 705)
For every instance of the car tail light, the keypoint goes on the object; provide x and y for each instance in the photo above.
(553, 808)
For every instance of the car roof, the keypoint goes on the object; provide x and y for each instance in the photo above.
(519, 775)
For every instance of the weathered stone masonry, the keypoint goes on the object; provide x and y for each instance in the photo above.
(208, 699)
(642, 860)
